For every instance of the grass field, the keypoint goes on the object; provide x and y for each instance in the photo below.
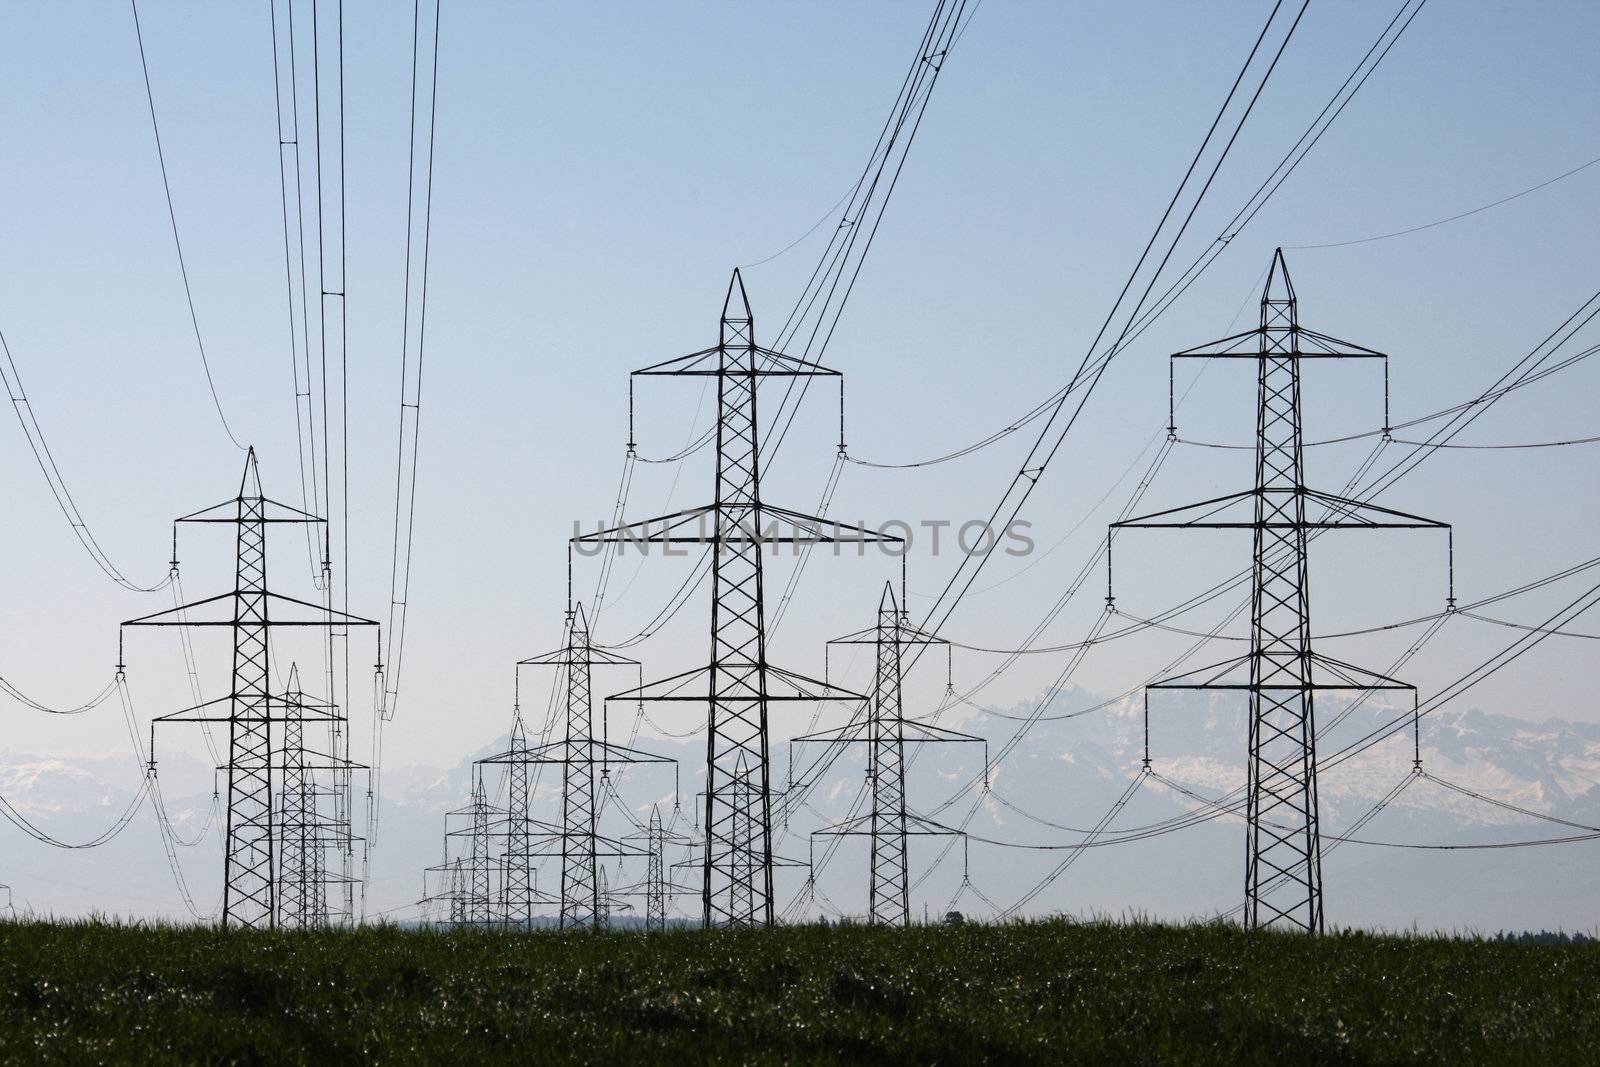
(1046, 992)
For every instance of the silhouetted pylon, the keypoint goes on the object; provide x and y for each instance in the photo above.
(584, 757)
(1281, 672)
(885, 730)
(739, 684)
(249, 893)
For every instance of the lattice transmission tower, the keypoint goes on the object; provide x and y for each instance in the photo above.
(657, 888)
(302, 875)
(885, 730)
(1281, 672)
(739, 683)
(251, 611)
(586, 758)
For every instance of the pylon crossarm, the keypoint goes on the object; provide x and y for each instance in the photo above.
(195, 713)
(707, 363)
(908, 635)
(331, 763)
(593, 751)
(1322, 346)
(850, 732)
(1225, 675)
(1313, 345)
(765, 525)
(777, 861)
(160, 618)
(181, 615)
(1397, 520)
(862, 826)
(593, 656)
(1171, 517)
(813, 525)
(781, 685)
(630, 532)
(914, 732)
(271, 512)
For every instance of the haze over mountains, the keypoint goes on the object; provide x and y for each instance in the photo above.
(1063, 772)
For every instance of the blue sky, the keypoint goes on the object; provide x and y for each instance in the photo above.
(601, 168)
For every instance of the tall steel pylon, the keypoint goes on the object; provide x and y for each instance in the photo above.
(585, 758)
(305, 831)
(657, 887)
(250, 875)
(739, 683)
(458, 896)
(1281, 672)
(517, 889)
(479, 909)
(655, 879)
(300, 903)
(886, 730)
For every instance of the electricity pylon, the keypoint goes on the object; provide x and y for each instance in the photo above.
(655, 878)
(478, 909)
(585, 760)
(477, 897)
(739, 683)
(517, 890)
(251, 611)
(1281, 672)
(657, 887)
(458, 896)
(305, 833)
(886, 730)
(301, 902)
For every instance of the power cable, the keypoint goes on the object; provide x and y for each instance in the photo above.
(1452, 218)
(172, 216)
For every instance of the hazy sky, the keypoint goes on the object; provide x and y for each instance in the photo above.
(601, 168)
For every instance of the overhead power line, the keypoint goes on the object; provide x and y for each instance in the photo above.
(52, 476)
(177, 243)
(1453, 218)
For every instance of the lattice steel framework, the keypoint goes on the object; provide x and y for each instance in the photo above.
(655, 900)
(299, 903)
(885, 730)
(479, 908)
(1281, 672)
(518, 891)
(585, 760)
(458, 896)
(739, 683)
(250, 875)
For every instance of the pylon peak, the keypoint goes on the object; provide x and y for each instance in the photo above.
(250, 484)
(736, 307)
(1279, 288)
(887, 601)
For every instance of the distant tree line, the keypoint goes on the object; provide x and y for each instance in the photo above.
(1544, 937)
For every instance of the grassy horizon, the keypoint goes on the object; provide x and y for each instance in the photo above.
(1037, 992)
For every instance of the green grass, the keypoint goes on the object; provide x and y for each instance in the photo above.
(1036, 993)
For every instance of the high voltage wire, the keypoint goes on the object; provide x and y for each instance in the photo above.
(52, 475)
(1453, 218)
(419, 190)
(172, 216)
(287, 82)
(1085, 378)
(1494, 393)
(1286, 166)
(1471, 405)
(943, 28)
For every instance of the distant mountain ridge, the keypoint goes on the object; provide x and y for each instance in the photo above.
(1064, 772)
